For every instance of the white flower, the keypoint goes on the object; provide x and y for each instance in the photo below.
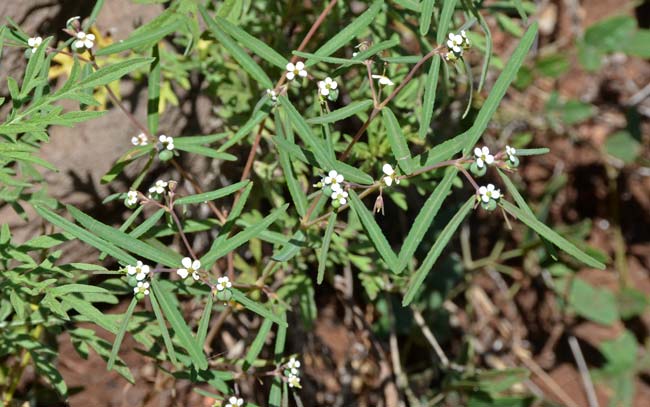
(272, 94)
(383, 80)
(488, 193)
(34, 42)
(483, 157)
(141, 288)
(190, 267)
(296, 70)
(132, 198)
(139, 270)
(139, 140)
(158, 187)
(166, 141)
(84, 41)
(455, 43)
(293, 365)
(511, 152)
(234, 402)
(324, 87)
(341, 196)
(293, 380)
(334, 179)
(223, 283)
(388, 170)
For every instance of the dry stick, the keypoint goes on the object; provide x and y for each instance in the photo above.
(584, 372)
(430, 337)
(520, 353)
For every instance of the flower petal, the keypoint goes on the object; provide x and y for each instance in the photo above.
(388, 169)
(186, 262)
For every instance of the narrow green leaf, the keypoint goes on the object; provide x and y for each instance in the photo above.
(124, 240)
(258, 47)
(397, 141)
(436, 250)
(84, 235)
(374, 232)
(256, 307)
(142, 39)
(306, 134)
(425, 218)
(220, 250)
(120, 333)
(329, 60)
(153, 91)
(206, 151)
(204, 323)
(429, 98)
(245, 61)
(145, 226)
(182, 331)
(77, 288)
(163, 327)
(342, 113)
(298, 196)
(322, 256)
(499, 90)
(258, 343)
(275, 395)
(532, 151)
(348, 33)
(212, 195)
(90, 312)
(426, 13)
(93, 15)
(257, 118)
(110, 73)
(202, 139)
(546, 232)
(352, 173)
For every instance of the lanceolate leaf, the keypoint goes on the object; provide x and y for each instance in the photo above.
(306, 134)
(426, 13)
(322, 256)
(551, 235)
(110, 73)
(141, 39)
(256, 307)
(258, 47)
(212, 195)
(425, 218)
(397, 140)
(163, 327)
(374, 232)
(348, 33)
(342, 113)
(120, 334)
(258, 343)
(182, 331)
(436, 250)
(204, 323)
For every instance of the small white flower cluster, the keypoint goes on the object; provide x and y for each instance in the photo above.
(489, 196)
(457, 44)
(139, 140)
(327, 86)
(389, 175)
(166, 142)
(34, 43)
(234, 402)
(296, 70)
(293, 369)
(158, 188)
(511, 153)
(139, 272)
(272, 94)
(131, 198)
(189, 267)
(334, 181)
(83, 41)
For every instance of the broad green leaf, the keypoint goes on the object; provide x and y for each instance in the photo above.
(426, 13)
(181, 330)
(258, 47)
(610, 34)
(374, 232)
(84, 235)
(212, 195)
(247, 63)
(499, 90)
(348, 33)
(551, 235)
(110, 73)
(120, 334)
(436, 250)
(258, 343)
(143, 39)
(342, 113)
(425, 218)
(322, 255)
(163, 327)
(596, 304)
(124, 240)
(397, 141)
(257, 308)
(220, 250)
